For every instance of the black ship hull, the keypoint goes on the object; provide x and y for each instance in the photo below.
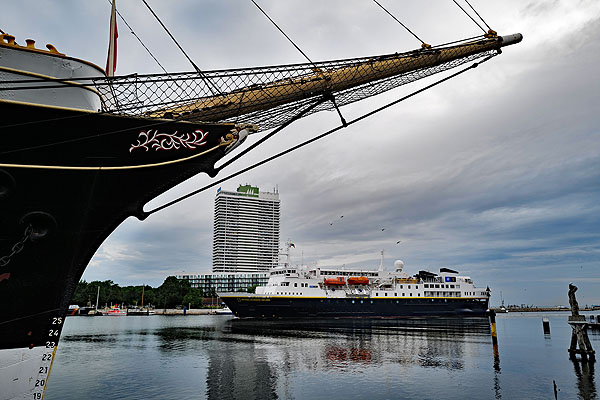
(244, 306)
(68, 178)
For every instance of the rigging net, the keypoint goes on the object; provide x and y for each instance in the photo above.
(271, 96)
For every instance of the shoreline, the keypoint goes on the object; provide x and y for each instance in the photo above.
(542, 309)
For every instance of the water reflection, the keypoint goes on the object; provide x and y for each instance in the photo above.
(349, 346)
(219, 358)
(240, 375)
(584, 371)
(497, 392)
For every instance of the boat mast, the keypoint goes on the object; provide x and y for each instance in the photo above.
(97, 297)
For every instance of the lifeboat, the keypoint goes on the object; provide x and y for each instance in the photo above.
(334, 282)
(358, 280)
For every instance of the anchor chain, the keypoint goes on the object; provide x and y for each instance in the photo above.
(18, 247)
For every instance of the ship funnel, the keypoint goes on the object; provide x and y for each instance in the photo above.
(398, 265)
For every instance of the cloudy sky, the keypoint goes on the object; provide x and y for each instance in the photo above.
(495, 173)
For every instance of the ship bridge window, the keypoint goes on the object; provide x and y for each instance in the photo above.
(437, 286)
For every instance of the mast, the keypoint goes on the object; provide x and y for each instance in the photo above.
(323, 81)
(97, 297)
(143, 287)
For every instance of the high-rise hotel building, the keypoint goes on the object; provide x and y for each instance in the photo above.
(246, 230)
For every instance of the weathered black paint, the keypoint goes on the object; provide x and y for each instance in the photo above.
(73, 211)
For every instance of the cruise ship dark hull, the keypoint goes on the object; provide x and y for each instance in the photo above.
(297, 307)
(50, 180)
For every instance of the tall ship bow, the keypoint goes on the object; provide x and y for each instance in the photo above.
(82, 151)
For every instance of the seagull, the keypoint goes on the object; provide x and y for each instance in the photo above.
(342, 216)
(382, 229)
(398, 241)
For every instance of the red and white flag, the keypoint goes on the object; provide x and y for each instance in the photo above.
(111, 61)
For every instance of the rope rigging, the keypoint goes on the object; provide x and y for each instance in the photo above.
(469, 15)
(266, 96)
(475, 11)
(211, 84)
(139, 40)
(282, 32)
(423, 44)
(270, 97)
(145, 214)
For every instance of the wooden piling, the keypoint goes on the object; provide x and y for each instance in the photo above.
(546, 325)
(579, 334)
(492, 315)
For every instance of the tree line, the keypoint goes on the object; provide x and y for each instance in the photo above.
(172, 293)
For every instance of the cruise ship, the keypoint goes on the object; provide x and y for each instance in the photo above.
(313, 292)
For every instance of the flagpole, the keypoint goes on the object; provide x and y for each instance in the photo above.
(111, 62)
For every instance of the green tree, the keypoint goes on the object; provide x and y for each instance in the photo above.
(172, 292)
(193, 298)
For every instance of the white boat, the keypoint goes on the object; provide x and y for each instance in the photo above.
(224, 311)
(115, 312)
(302, 291)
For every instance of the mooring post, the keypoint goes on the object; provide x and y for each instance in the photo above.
(546, 325)
(579, 335)
(492, 315)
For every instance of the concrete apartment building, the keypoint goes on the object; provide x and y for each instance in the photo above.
(245, 240)
(246, 230)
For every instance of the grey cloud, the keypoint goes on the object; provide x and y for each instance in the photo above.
(495, 172)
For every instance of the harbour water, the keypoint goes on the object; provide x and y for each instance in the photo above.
(217, 357)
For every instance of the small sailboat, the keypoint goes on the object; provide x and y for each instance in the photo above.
(140, 310)
(502, 309)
